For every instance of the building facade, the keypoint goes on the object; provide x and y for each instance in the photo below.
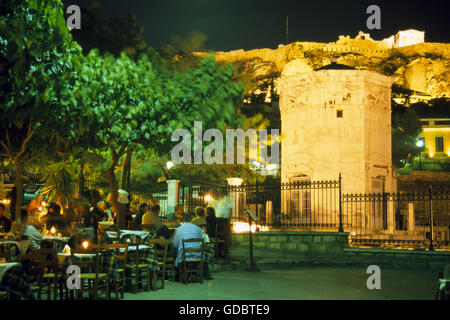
(337, 121)
(408, 38)
(436, 136)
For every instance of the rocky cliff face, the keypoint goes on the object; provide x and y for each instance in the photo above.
(422, 67)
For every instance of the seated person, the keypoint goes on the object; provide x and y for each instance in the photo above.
(151, 220)
(5, 223)
(100, 211)
(53, 218)
(211, 222)
(35, 204)
(143, 209)
(188, 231)
(180, 215)
(199, 219)
(26, 231)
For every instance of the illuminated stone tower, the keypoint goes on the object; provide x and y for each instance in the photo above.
(337, 120)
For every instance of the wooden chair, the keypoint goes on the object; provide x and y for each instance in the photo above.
(92, 281)
(51, 276)
(4, 252)
(217, 240)
(121, 258)
(220, 241)
(161, 255)
(33, 263)
(136, 269)
(170, 264)
(192, 264)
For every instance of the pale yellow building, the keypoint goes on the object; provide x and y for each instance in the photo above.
(436, 136)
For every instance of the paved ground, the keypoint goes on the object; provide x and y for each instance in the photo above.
(301, 283)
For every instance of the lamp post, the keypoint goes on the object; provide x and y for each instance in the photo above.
(257, 167)
(420, 145)
(431, 247)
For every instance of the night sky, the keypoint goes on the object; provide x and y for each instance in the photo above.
(251, 24)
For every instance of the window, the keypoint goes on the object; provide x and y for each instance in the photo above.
(442, 122)
(425, 122)
(439, 144)
(340, 113)
(300, 197)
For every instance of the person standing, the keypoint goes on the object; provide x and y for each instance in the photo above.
(210, 222)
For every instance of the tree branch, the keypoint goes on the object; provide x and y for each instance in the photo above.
(24, 142)
(121, 151)
(8, 142)
(6, 149)
(32, 157)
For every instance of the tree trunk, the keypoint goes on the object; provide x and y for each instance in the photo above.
(19, 190)
(126, 168)
(118, 208)
(80, 186)
(129, 174)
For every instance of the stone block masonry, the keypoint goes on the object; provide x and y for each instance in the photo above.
(293, 241)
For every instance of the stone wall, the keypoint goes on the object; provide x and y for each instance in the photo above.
(301, 242)
(419, 181)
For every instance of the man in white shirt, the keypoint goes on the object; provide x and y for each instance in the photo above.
(30, 232)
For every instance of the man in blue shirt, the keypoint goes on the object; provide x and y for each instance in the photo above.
(188, 231)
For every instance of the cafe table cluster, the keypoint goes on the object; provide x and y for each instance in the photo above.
(18, 279)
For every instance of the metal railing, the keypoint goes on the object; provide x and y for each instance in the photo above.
(372, 219)
(418, 220)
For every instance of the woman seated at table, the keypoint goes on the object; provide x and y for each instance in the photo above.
(26, 232)
(199, 219)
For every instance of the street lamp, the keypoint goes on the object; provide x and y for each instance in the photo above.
(420, 145)
(169, 165)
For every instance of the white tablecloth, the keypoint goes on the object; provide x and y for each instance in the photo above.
(5, 267)
(138, 233)
(133, 248)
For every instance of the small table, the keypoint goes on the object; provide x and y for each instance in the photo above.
(209, 252)
(442, 286)
(146, 253)
(143, 235)
(15, 248)
(58, 243)
(106, 261)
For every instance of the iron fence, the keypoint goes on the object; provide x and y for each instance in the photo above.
(301, 205)
(419, 220)
(372, 219)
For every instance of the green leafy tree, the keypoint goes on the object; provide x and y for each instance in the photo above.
(133, 107)
(405, 130)
(37, 62)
